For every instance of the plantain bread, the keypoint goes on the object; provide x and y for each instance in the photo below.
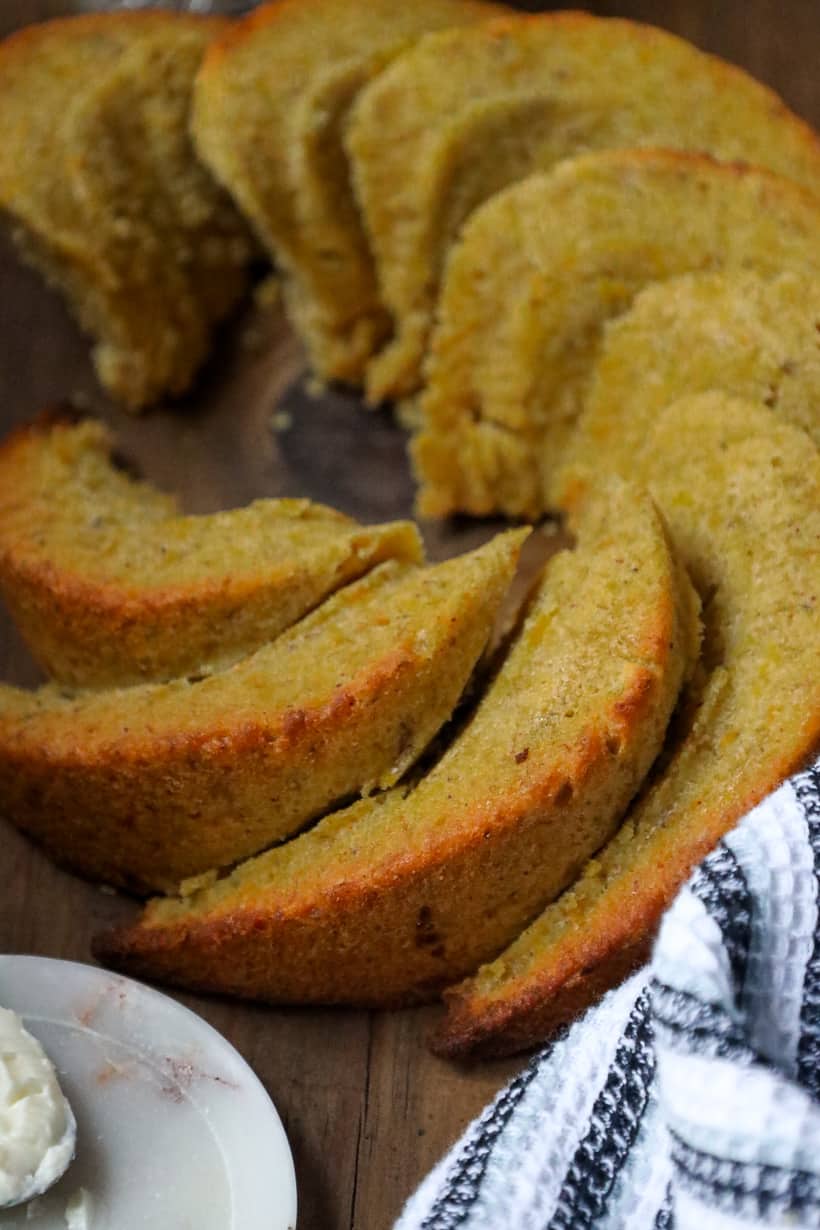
(540, 269)
(740, 490)
(105, 195)
(111, 586)
(147, 786)
(463, 113)
(271, 105)
(389, 899)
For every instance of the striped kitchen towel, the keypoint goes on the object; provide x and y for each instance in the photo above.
(687, 1098)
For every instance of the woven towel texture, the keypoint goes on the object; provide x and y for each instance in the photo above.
(688, 1099)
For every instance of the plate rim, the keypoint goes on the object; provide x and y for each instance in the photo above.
(33, 972)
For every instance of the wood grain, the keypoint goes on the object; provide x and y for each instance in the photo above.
(367, 1109)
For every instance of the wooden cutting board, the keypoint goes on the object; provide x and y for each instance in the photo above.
(367, 1109)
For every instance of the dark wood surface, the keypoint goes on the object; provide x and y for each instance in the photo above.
(367, 1109)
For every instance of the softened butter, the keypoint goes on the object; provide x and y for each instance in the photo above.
(37, 1128)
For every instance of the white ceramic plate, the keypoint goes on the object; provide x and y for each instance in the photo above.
(174, 1129)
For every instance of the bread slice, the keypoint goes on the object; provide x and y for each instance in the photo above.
(110, 585)
(271, 105)
(465, 112)
(740, 491)
(739, 333)
(384, 902)
(100, 181)
(540, 269)
(147, 786)
(139, 183)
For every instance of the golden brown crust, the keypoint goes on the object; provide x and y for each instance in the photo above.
(309, 949)
(20, 42)
(125, 618)
(727, 474)
(520, 1024)
(148, 786)
(266, 15)
(240, 31)
(602, 957)
(151, 784)
(384, 902)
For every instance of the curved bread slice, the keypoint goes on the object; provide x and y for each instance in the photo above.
(465, 112)
(738, 333)
(271, 105)
(99, 175)
(741, 493)
(139, 183)
(385, 901)
(111, 586)
(151, 785)
(540, 269)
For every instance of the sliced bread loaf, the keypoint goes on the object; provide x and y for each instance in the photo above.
(383, 902)
(100, 181)
(146, 786)
(271, 105)
(540, 269)
(110, 585)
(740, 491)
(139, 184)
(465, 112)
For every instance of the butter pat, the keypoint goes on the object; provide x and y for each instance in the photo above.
(38, 1132)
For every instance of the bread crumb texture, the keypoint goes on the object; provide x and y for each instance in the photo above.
(463, 113)
(387, 900)
(271, 105)
(107, 197)
(539, 271)
(110, 585)
(145, 786)
(740, 492)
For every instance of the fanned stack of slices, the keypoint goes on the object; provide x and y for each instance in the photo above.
(357, 138)
(329, 693)
(740, 492)
(586, 256)
(271, 108)
(390, 899)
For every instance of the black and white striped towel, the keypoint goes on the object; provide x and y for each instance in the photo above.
(687, 1098)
